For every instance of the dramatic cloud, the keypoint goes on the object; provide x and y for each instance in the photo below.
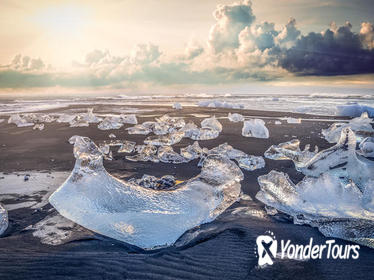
(337, 51)
(231, 20)
(238, 49)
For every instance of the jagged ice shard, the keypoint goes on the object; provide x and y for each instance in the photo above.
(361, 126)
(291, 151)
(3, 219)
(141, 216)
(346, 181)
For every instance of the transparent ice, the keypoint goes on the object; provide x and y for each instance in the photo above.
(361, 126)
(152, 182)
(3, 219)
(220, 104)
(327, 202)
(169, 139)
(192, 151)
(144, 153)
(39, 126)
(255, 128)
(20, 121)
(126, 147)
(235, 117)
(244, 160)
(166, 154)
(177, 106)
(342, 161)
(139, 129)
(141, 216)
(111, 122)
(367, 147)
(212, 123)
(337, 195)
(293, 120)
(291, 151)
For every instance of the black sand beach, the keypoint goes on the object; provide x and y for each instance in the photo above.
(223, 249)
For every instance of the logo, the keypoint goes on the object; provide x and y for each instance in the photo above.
(267, 250)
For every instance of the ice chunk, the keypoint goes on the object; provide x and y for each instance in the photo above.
(361, 126)
(166, 154)
(141, 216)
(112, 135)
(277, 122)
(293, 120)
(245, 161)
(3, 219)
(127, 147)
(354, 110)
(82, 120)
(65, 118)
(342, 161)
(29, 119)
(147, 181)
(90, 117)
(177, 106)
(139, 129)
(337, 213)
(195, 133)
(19, 121)
(211, 123)
(219, 104)
(203, 134)
(250, 162)
(291, 151)
(162, 140)
(346, 208)
(255, 128)
(130, 119)
(235, 117)
(145, 153)
(192, 152)
(39, 126)
(110, 122)
(367, 147)
(166, 124)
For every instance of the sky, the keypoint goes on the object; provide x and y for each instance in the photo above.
(130, 45)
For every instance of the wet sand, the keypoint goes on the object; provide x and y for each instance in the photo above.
(223, 249)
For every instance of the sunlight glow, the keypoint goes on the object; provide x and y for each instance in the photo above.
(62, 20)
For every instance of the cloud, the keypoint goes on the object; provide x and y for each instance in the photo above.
(231, 20)
(337, 51)
(145, 53)
(367, 35)
(25, 63)
(289, 33)
(238, 49)
(192, 50)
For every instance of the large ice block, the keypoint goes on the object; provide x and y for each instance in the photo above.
(141, 216)
(361, 127)
(343, 211)
(255, 128)
(337, 195)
